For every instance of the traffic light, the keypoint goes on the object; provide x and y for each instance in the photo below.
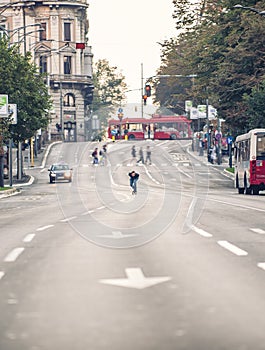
(148, 90)
(145, 98)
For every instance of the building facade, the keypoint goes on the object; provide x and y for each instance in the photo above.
(55, 32)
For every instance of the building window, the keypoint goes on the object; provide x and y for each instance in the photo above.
(43, 64)
(67, 31)
(69, 100)
(43, 32)
(67, 64)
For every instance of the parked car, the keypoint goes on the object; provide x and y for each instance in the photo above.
(60, 172)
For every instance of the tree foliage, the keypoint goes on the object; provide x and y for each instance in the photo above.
(255, 103)
(109, 91)
(224, 47)
(21, 81)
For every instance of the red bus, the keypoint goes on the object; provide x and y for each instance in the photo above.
(159, 127)
(250, 162)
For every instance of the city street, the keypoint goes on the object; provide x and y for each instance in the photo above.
(87, 265)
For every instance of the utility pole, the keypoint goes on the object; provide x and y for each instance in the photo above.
(142, 90)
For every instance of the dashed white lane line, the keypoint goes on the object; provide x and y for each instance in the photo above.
(44, 227)
(232, 248)
(68, 219)
(261, 265)
(258, 230)
(88, 212)
(201, 232)
(14, 254)
(28, 238)
(2, 274)
(99, 208)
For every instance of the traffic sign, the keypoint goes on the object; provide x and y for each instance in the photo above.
(229, 140)
(218, 136)
(120, 110)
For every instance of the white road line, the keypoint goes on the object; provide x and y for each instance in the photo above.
(99, 208)
(44, 228)
(232, 248)
(201, 232)
(261, 265)
(68, 219)
(2, 274)
(257, 230)
(29, 237)
(88, 212)
(13, 255)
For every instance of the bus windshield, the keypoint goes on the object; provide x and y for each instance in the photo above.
(261, 147)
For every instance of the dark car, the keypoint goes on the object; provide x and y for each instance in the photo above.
(60, 172)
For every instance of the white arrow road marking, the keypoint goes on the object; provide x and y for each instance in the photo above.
(13, 255)
(1, 274)
(232, 248)
(135, 279)
(117, 235)
(44, 227)
(258, 230)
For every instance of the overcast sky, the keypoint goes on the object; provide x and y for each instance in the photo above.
(126, 34)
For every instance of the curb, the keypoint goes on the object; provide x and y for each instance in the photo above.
(8, 193)
(15, 188)
(229, 174)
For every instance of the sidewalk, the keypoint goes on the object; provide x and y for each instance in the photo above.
(27, 179)
(203, 157)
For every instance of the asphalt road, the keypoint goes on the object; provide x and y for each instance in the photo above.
(86, 265)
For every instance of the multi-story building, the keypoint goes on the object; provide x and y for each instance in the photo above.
(55, 32)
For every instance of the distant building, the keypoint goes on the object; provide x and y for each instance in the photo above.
(55, 32)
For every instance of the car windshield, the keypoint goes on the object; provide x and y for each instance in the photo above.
(60, 167)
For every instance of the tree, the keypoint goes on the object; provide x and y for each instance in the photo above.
(109, 91)
(255, 107)
(224, 47)
(21, 81)
(24, 85)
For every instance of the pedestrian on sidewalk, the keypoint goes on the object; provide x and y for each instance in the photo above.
(134, 177)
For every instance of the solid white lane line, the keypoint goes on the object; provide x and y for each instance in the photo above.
(29, 237)
(232, 248)
(2, 274)
(201, 232)
(44, 228)
(258, 230)
(261, 265)
(69, 219)
(13, 255)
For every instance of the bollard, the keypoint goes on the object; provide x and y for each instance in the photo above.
(126, 137)
(113, 138)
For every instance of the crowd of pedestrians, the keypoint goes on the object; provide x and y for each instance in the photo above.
(99, 156)
(141, 159)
